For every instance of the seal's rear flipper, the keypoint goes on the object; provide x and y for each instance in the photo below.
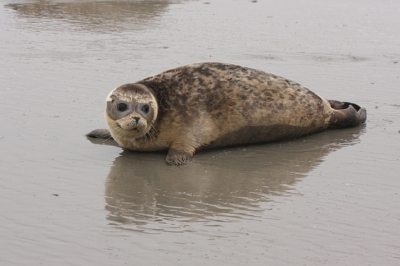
(100, 134)
(347, 114)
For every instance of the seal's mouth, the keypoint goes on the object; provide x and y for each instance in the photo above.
(135, 129)
(129, 128)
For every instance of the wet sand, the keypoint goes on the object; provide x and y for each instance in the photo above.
(327, 199)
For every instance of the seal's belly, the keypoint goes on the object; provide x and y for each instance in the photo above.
(257, 134)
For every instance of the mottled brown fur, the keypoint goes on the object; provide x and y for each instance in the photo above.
(208, 105)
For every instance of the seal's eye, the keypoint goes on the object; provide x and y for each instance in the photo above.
(145, 108)
(122, 107)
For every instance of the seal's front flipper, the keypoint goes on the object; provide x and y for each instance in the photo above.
(347, 114)
(178, 157)
(100, 134)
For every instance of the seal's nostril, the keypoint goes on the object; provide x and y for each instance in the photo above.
(136, 119)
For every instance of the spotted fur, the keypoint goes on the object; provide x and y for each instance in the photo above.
(209, 105)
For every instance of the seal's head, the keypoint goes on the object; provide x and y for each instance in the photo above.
(131, 112)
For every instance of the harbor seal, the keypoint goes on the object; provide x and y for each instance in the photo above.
(209, 105)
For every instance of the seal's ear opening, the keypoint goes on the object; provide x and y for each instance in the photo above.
(347, 114)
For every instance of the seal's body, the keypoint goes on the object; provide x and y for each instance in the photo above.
(208, 105)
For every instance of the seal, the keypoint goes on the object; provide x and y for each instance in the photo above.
(209, 105)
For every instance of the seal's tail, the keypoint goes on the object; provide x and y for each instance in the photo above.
(347, 114)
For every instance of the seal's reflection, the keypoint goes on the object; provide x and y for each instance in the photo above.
(94, 15)
(218, 185)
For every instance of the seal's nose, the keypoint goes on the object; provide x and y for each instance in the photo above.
(136, 119)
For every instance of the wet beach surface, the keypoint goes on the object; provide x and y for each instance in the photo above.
(327, 199)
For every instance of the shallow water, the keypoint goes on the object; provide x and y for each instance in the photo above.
(327, 199)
